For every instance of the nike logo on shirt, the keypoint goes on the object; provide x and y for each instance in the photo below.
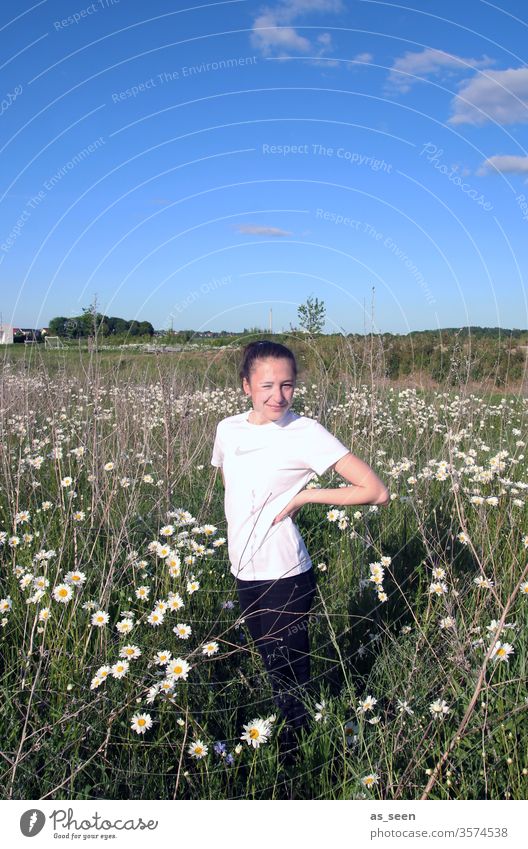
(239, 452)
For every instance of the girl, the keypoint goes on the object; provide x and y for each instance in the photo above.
(267, 457)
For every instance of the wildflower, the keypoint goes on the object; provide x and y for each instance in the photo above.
(142, 593)
(197, 749)
(256, 732)
(493, 500)
(192, 586)
(155, 618)
(44, 614)
(14, 541)
(438, 573)
(502, 651)
(167, 531)
(130, 651)
(178, 668)
(367, 704)
(141, 722)
(161, 606)
(183, 631)
(463, 538)
(125, 626)
(162, 657)
(103, 672)
(382, 597)
(438, 588)
(370, 779)
(120, 669)
(62, 593)
(75, 578)
(23, 516)
(447, 622)
(219, 748)
(385, 561)
(95, 682)
(99, 618)
(321, 715)
(40, 582)
(483, 582)
(152, 693)
(163, 550)
(210, 648)
(108, 467)
(79, 515)
(67, 481)
(523, 589)
(322, 567)
(403, 706)
(332, 515)
(439, 708)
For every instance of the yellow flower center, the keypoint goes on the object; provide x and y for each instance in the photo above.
(254, 734)
(63, 592)
(141, 722)
(178, 669)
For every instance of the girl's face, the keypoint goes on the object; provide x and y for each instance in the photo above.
(271, 387)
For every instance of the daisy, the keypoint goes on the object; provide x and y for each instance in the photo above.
(103, 672)
(44, 614)
(5, 604)
(155, 618)
(438, 588)
(192, 586)
(210, 648)
(438, 573)
(256, 732)
(403, 706)
(332, 515)
(483, 582)
(166, 686)
(463, 538)
(162, 550)
(67, 481)
(142, 593)
(197, 749)
(120, 668)
(367, 704)
(174, 568)
(175, 601)
(439, 708)
(108, 467)
(141, 722)
(162, 657)
(130, 651)
(100, 618)
(79, 515)
(152, 693)
(447, 622)
(502, 651)
(322, 567)
(370, 779)
(178, 668)
(209, 530)
(75, 578)
(63, 593)
(183, 631)
(523, 589)
(95, 682)
(167, 531)
(382, 597)
(125, 626)
(40, 582)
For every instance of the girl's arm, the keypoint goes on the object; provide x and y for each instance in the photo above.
(366, 488)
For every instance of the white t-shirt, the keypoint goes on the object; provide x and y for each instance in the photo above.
(264, 467)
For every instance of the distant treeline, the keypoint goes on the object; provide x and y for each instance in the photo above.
(85, 325)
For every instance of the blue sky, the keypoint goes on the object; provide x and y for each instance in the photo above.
(199, 165)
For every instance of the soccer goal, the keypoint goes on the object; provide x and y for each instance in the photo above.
(52, 342)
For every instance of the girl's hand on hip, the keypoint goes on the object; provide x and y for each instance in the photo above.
(291, 509)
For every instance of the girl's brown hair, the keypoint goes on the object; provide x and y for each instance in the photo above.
(260, 351)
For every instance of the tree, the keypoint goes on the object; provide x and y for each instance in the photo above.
(312, 315)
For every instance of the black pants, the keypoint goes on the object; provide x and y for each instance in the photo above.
(276, 614)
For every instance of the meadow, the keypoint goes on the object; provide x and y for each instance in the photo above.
(126, 672)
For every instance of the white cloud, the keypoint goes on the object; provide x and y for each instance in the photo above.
(500, 96)
(261, 230)
(429, 63)
(273, 35)
(504, 164)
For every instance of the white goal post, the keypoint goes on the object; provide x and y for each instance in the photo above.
(52, 342)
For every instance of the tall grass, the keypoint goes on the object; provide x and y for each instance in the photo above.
(150, 416)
